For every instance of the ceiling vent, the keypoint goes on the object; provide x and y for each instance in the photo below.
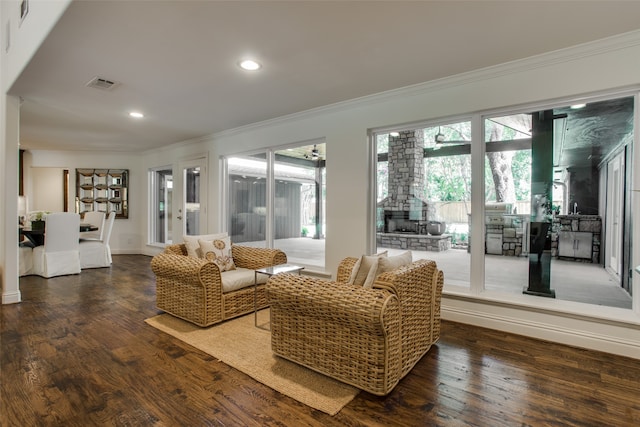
(102, 84)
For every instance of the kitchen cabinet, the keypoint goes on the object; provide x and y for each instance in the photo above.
(575, 244)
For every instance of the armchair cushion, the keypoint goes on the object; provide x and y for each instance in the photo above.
(239, 278)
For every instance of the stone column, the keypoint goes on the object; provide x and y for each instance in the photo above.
(406, 171)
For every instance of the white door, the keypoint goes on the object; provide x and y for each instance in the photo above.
(192, 210)
(615, 186)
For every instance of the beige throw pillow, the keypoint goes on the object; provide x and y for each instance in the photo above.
(218, 251)
(367, 267)
(193, 246)
(393, 262)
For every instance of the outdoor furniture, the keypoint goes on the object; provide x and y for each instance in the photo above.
(367, 337)
(194, 288)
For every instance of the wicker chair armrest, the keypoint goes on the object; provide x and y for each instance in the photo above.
(345, 268)
(254, 258)
(178, 249)
(195, 271)
(335, 302)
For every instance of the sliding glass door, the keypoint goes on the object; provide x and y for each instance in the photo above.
(276, 199)
(247, 202)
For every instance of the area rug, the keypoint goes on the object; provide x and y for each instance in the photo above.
(239, 344)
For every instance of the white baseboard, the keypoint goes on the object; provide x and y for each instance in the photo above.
(11, 297)
(620, 339)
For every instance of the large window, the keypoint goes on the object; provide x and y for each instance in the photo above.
(558, 200)
(424, 195)
(555, 204)
(277, 199)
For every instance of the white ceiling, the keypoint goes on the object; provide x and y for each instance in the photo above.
(176, 61)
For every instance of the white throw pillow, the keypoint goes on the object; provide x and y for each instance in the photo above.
(393, 262)
(218, 251)
(193, 246)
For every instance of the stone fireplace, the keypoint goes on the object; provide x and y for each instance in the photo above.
(404, 213)
(402, 209)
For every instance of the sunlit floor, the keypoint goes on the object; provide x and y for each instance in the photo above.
(571, 281)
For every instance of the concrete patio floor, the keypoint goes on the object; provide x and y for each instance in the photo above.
(572, 281)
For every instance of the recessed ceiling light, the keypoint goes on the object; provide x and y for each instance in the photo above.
(250, 65)
(136, 115)
(578, 106)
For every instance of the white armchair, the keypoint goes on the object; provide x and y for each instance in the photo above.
(97, 253)
(59, 255)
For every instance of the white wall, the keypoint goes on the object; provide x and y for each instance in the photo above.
(47, 190)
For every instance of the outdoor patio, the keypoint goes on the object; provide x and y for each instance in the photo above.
(572, 281)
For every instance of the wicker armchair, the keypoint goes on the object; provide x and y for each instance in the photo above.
(191, 288)
(369, 338)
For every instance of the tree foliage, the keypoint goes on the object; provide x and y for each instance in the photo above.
(448, 178)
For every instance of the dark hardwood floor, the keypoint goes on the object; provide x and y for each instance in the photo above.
(76, 352)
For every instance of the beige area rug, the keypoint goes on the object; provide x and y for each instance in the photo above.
(239, 344)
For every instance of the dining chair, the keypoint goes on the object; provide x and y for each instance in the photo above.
(25, 259)
(94, 218)
(60, 253)
(97, 253)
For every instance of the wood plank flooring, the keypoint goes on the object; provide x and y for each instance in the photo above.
(76, 352)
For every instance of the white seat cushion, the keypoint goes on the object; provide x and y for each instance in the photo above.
(239, 278)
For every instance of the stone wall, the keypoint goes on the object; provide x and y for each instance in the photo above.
(414, 242)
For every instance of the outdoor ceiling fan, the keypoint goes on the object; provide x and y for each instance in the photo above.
(314, 154)
(440, 139)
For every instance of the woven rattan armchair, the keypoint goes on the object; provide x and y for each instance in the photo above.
(369, 338)
(191, 288)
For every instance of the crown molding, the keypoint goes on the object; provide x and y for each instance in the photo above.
(180, 144)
